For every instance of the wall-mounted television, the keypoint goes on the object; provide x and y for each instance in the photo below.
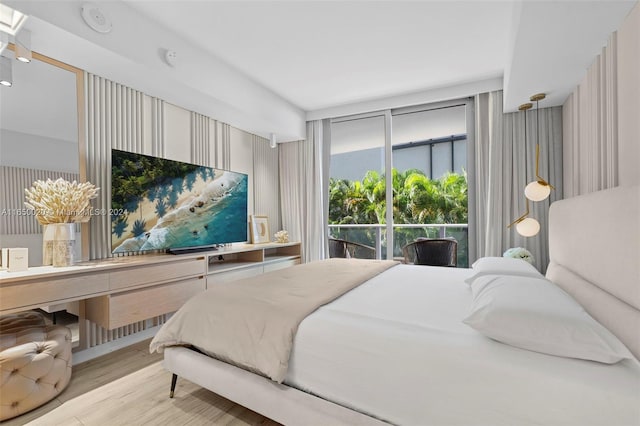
(160, 204)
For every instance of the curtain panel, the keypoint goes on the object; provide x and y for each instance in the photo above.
(591, 127)
(504, 165)
(304, 190)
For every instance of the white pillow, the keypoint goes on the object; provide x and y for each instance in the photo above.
(534, 314)
(502, 266)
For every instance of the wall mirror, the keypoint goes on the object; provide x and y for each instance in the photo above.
(41, 135)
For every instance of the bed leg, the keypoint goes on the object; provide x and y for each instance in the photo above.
(174, 379)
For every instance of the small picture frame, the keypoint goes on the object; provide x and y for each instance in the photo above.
(260, 229)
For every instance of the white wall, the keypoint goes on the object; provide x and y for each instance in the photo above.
(37, 152)
(629, 99)
(177, 128)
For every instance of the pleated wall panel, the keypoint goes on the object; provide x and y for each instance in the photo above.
(200, 140)
(98, 335)
(115, 119)
(266, 192)
(225, 147)
(13, 182)
(157, 127)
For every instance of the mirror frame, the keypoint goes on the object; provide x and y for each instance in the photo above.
(80, 109)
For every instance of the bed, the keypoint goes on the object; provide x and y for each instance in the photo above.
(395, 349)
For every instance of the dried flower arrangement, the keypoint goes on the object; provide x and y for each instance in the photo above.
(282, 236)
(61, 201)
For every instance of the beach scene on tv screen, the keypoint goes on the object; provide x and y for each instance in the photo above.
(159, 204)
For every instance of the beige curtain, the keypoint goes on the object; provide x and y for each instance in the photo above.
(504, 165)
(304, 190)
(591, 127)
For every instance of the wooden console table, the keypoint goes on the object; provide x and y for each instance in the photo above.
(124, 290)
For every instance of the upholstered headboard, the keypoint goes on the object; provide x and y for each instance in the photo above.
(594, 248)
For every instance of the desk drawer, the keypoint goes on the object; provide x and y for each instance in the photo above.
(281, 264)
(236, 274)
(45, 291)
(124, 308)
(162, 272)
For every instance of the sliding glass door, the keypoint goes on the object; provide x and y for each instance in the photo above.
(397, 175)
(357, 188)
(429, 155)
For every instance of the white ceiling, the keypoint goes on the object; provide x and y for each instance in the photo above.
(321, 54)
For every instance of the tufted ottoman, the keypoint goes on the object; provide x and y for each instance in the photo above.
(35, 363)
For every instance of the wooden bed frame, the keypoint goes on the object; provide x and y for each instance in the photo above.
(594, 248)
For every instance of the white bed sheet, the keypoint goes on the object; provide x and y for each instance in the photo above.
(431, 369)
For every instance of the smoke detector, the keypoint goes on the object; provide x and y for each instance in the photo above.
(170, 56)
(95, 18)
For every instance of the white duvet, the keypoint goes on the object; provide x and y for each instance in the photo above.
(431, 369)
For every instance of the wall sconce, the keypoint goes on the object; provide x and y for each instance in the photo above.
(272, 140)
(6, 77)
(23, 46)
(539, 189)
(526, 226)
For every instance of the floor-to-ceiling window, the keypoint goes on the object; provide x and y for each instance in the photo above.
(357, 188)
(413, 160)
(429, 155)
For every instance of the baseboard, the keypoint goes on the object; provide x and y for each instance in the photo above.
(106, 348)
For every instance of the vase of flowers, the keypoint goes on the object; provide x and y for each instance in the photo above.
(58, 205)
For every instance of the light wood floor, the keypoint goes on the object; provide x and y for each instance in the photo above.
(130, 387)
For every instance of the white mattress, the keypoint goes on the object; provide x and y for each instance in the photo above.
(430, 368)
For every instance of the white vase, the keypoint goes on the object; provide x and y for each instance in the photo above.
(47, 245)
(63, 236)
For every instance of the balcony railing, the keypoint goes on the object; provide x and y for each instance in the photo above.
(374, 235)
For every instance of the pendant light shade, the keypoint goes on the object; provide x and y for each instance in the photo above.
(23, 46)
(528, 227)
(536, 191)
(6, 75)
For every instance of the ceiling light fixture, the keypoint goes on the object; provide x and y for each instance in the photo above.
(11, 20)
(272, 140)
(6, 77)
(539, 189)
(526, 226)
(23, 46)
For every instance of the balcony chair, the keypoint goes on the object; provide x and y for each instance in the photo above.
(432, 252)
(349, 249)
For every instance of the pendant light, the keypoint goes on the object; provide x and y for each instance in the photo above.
(23, 46)
(526, 226)
(539, 189)
(6, 77)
